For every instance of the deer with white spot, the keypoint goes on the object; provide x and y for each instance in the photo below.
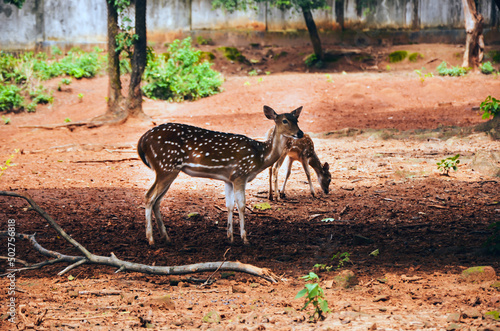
(235, 159)
(301, 150)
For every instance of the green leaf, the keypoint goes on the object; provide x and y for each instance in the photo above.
(262, 206)
(323, 305)
(70, 278)
(301, 293)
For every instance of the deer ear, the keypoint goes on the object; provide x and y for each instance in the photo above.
(270, 113)
(296, 112)
(326, 166)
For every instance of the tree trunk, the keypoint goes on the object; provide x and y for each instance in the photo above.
(115, 112)
(339, 13)
(134, 98)
(474, 46)
(415, 23)
(313, 33)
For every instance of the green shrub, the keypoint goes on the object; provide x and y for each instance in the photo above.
(414, 57)
(20, 75)
(56, 50)
(312, 60)
(490, 107)
(494, 56)
(202, 41)
(180, 74)
(10, 97)
(80, 64)
(487, 68)
(397, 56)
(443, 70)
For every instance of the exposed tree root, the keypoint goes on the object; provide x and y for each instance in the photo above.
(113, 261)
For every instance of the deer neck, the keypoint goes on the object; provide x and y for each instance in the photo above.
(273, 147)
(315, 163)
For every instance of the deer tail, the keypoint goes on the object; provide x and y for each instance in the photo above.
(140, 151)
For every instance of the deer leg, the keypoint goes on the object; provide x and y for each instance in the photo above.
(288, 172)
(271, 171)
(239, 195)
(153, 199)
(305, 165)
(276, 167)
(230, 208)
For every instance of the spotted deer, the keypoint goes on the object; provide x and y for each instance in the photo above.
(299, 150)
(235, 159)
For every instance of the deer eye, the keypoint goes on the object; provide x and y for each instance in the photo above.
(285, 122)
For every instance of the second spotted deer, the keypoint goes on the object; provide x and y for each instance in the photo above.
(301, 150)
(235, 159)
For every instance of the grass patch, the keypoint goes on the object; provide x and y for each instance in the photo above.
(414, 57)
(397, 56)
(233, 54)
(443, 70)
(21, 75)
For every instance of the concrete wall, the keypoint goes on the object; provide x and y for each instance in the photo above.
(80, 22)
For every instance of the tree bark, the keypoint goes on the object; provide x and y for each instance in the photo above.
(497, 2)
(134, 98)
(313, 33)
(115, 97)
(474, 45)
(339, 13)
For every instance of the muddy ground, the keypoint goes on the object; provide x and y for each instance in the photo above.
(379, 126)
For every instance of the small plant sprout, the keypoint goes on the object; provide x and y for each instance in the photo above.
(6, 120)
(80, 97)
(67, 120)
(422, 75)
(342, 258)
(8, 163)
(64, 81)
(490, 107)
(253, 73)
(329, 78)
(314, 294)
(449, 163)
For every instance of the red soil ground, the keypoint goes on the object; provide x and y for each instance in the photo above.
(381, 129)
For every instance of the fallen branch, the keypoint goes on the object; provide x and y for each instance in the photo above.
(71, 126)
(121, 265)
(109, 160)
